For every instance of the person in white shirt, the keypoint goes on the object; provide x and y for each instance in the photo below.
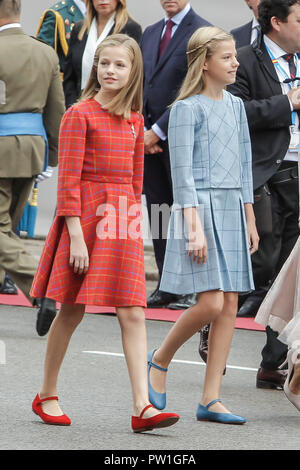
(164, 46)
(268, 83)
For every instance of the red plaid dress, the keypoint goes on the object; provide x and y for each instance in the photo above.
(100, 180)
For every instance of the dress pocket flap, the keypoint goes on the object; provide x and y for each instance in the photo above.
(199, 173)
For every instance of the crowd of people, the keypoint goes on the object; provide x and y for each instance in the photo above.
(200, 120)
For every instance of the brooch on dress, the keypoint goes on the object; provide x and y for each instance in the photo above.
(133, 130)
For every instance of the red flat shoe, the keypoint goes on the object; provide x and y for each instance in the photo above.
(161, 420)
(62, 420)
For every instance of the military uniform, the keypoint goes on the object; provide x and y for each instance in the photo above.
(56, 25)
(29, 84)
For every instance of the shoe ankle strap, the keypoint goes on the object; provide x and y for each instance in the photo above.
(213, 402)
(145, 409)
(157, 367)
(41, 400)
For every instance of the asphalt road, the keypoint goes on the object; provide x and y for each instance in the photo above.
(94, 391)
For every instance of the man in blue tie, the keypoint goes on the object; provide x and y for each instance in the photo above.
(163, 47)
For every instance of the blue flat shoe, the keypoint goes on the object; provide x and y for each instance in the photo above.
(158, 400)
(226, 418)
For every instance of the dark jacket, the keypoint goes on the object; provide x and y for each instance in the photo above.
(72, 76)
(163, 78)
(242, 35)
(268, 110)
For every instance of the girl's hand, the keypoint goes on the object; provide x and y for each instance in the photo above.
(253, 238)
(197, 248)
(79, 257)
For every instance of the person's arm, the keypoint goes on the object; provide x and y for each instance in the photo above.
(197, 245)
(253, 238)
(70, 77)
(181, 142)
(53, 111)
(71, 154)
(71, 157)
(247, 180)
(163, 121)
(138, 159)
(246, 157)
(46, 31)
(152, 142)
(79, 257)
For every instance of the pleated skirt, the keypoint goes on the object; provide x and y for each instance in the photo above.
(228, 267)
(116, 274)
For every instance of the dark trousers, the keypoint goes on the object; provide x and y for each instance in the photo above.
(284, 193)
(158, 191)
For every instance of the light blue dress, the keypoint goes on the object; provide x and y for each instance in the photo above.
(211, 168)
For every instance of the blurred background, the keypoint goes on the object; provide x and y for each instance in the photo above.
(227, 14)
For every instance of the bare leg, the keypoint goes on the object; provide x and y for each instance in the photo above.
(134, 339)
(59, 337)
(219, 343)
(206, 310)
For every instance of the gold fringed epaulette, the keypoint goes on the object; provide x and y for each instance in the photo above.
(59, 30)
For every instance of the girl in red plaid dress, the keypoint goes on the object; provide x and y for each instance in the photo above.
(94, 251)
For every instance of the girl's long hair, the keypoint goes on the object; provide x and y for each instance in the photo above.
(122, 16)
(129, 98)
(202, 44)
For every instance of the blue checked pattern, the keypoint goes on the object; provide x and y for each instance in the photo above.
(210, 155)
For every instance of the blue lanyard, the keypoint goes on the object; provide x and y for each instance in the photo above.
(283, 72)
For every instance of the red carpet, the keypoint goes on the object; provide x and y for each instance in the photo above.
(162, 314)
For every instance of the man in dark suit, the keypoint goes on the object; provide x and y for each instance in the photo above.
(164, 47)
(243, 35)
(249, 304)
(267, 83)
(248, 33)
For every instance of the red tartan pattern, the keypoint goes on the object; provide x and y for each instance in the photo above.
(100, 161)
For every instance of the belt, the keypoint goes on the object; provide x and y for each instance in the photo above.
(24, 124)
(284, 175)
(106, 179)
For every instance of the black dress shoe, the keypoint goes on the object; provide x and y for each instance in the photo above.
(242, 298)
(45, 315)
(203, 345)
(271, 379)
(183, 302)
(8, 287)
(250, 307)
(159, 299)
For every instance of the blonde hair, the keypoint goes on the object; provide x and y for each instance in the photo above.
(129, 98)
(202, 44)
(122, 16)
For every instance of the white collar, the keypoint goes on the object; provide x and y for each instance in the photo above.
(255, 23)
(274, 48)
(10, 25)
(179, 17)
(81, 5)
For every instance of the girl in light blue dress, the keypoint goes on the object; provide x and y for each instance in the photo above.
(210, 154)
